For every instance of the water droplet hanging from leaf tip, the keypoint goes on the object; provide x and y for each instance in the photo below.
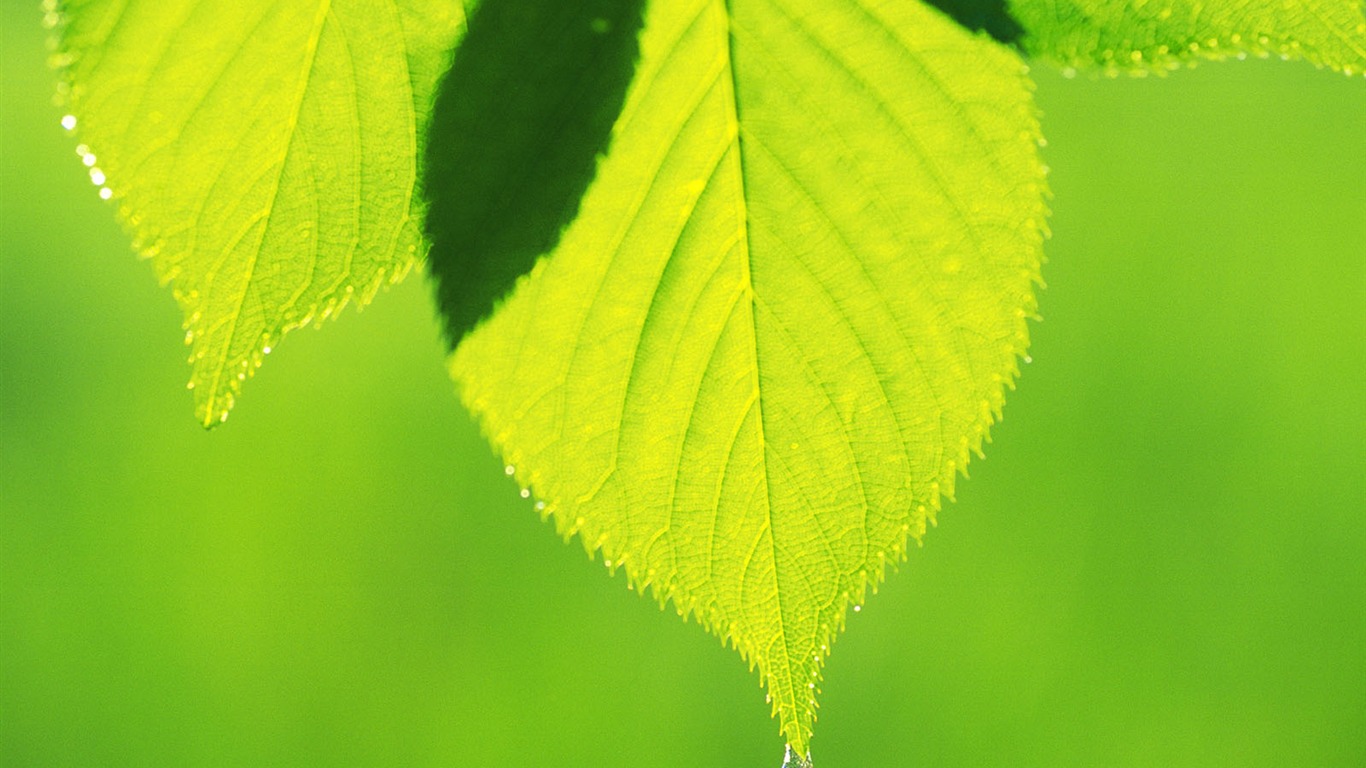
(791, 760)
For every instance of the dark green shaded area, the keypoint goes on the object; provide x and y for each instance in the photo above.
(520, 119)
(990, 16)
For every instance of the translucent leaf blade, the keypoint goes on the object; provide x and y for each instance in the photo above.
(784, 317)
(1124, 35)
(264, 155)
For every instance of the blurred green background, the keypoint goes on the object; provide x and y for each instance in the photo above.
(1161, 562)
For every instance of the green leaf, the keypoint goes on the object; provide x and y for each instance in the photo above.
(1117, 34)
(265, 155)
(783, 319)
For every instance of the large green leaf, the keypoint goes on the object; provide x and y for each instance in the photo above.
(1118, 34)
(265, 154)
(784, 317)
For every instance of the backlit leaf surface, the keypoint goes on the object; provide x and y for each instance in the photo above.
(784, 317)
(1126, 35)
(264, 153)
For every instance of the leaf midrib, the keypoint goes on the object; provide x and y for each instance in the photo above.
(747, 288)
(310, 60)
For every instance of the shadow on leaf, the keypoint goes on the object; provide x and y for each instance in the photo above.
(519, 121)
(990, 16)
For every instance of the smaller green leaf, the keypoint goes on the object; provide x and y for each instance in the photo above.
(1119, 35)
(264, 154)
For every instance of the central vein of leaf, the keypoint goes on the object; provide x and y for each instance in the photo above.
(785, 693)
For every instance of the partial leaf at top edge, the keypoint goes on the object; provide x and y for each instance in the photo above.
(264, 154)
(520, 120)
(784, 317)
(1122, 35)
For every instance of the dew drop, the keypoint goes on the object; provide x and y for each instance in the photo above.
(540, 506)
(526, 493)
(509, 470)
(793, 761)
(106, 193)
(88, 159)
(69, 122)
(265, 350)
(96, 176)
(858, 608)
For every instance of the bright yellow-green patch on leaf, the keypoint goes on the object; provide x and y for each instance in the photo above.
(784, 317)
(1120, 34)
(265, 154)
